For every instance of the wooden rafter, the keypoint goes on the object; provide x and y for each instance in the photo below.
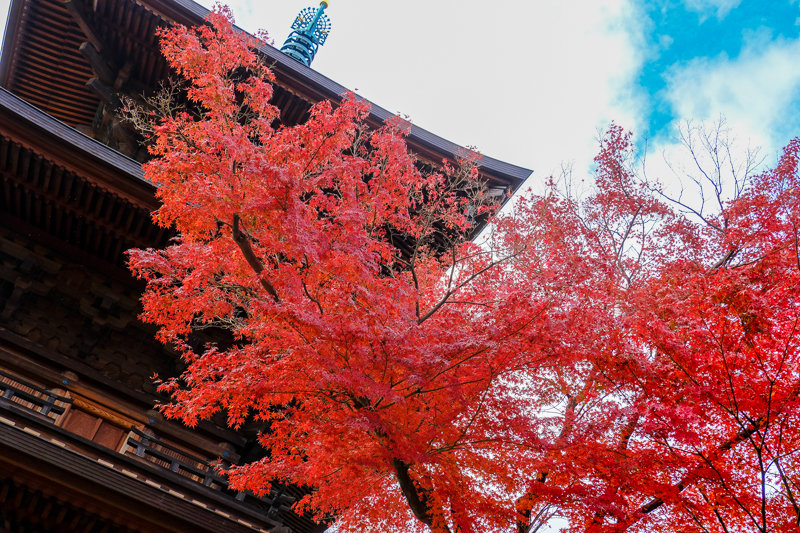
(78, 12)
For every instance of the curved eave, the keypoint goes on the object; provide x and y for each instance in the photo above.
(316, 87)
(74, 150)
(299, 79)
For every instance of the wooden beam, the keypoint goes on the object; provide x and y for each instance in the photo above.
(99, 65)
(78, 12)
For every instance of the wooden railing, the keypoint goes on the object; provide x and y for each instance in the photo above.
(159, 453)
(49, 406)
(153, 450)
(32, 398)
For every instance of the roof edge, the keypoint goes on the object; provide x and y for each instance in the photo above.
(189, 12)
(34, 116)
(9, 40)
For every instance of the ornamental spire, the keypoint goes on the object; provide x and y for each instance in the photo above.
(309, 31)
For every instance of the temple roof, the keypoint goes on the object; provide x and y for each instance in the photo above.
(47, 60)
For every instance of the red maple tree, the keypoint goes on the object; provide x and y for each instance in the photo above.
(613, 360)
(681, 400)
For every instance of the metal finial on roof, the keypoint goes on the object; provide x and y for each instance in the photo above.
(309, 31)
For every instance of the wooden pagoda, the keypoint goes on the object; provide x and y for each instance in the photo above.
(81, 448)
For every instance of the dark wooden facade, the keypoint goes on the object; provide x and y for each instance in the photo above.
(81, 448)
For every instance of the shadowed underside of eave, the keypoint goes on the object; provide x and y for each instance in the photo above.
(61, 186)
(43, 63)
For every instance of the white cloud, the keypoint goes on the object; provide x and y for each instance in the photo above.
(757, 94)
(529, 83)
(718, 8)
(757, 91)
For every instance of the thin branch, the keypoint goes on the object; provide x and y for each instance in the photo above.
(464, 283)
(316, 301)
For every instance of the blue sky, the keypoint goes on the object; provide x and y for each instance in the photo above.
(683, 34)
(534, 82)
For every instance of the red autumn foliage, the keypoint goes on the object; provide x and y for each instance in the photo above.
(610, 360)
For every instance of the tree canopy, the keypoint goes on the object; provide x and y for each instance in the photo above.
(616, 360)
